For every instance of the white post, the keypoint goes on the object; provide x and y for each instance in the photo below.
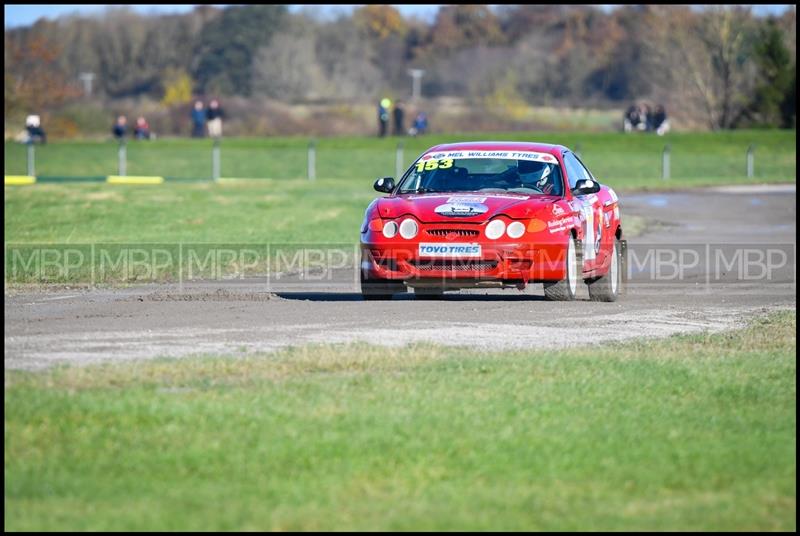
(416, 75)
(665, 162)
(751, 161)
(215, 160)
(312, 161)
(31, 160)
(122, 156)
(87, 79)
(398, 162)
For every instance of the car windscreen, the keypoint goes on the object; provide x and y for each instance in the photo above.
(484, 174)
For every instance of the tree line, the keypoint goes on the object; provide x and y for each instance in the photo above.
(722, 65)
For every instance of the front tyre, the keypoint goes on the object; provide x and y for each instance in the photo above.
(606, 288)
(565, 289)
(379, 289)
(428, 293)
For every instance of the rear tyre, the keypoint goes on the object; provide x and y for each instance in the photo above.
(606, 288)
(565, 289)
(379, 289)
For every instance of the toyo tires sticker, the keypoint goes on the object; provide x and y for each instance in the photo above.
(437, 250)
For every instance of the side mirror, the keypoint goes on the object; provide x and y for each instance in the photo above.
(586, 186)
(385, 185)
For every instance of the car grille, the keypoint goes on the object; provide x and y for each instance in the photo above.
(455, 265)
(458, 232)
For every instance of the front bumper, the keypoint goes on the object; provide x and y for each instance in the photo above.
(511, 263)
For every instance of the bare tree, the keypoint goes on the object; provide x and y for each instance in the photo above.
(344, 58)
(707, 56)
(287, 69)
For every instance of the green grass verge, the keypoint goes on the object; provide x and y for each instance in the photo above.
(687, 433)
(622, 160)
(244, 213)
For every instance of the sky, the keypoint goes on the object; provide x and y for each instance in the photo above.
(23, 15)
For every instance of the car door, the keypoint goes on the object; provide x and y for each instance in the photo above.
(591, 214)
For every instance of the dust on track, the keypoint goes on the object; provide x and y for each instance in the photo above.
(45, 327)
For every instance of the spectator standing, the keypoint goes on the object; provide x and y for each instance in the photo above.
(660, 121)
(120, 128)
(198, 120)
(631, 119)
(33, 126)
(399, 117)
(142, 129)
(214, 116)
(647, 118)
(383, 116)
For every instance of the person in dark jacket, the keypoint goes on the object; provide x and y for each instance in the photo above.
(33, 127)
(399, 116)
(120, 128)
(214, 116)
(660, 121)
(631, 119)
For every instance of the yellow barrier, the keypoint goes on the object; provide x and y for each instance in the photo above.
(20, 179)
(118, 179)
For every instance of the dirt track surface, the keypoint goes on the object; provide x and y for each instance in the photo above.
(238, 317)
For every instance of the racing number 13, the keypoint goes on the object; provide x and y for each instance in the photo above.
(430, 165)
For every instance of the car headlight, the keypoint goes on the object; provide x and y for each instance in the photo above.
(390, 229)
(515, 229)
(495, 229)
(408, 228)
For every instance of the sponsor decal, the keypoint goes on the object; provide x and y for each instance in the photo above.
(431, 164)
(465, 199)
(589, 231)
(557, 226)
(462, 207)
(426, 196)
(508, 155)
(508, 196)
(476, 199)
(449, 250)
(599, 236)
(558, 211)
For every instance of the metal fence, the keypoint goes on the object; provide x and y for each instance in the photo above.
(310, 160)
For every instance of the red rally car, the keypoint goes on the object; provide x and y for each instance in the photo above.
(493, 214)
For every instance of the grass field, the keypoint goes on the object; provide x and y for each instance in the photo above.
(285, 214)
(623, 161)
(688, 433)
